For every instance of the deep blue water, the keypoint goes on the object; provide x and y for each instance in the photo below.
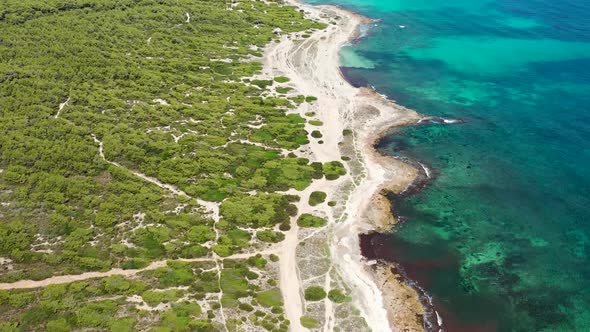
(501, 237)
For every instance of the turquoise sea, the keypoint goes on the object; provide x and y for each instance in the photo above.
(500, 239)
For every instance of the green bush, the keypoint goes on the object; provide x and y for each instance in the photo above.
(285, 227)
(316, 122)
(283, 89)
(270, 298)
(270, 236)
(318, 170)
(316, 134)
(282, 79)
(308, 322)
(153, 297)
(58, 325)
(333, 170)
(263, 84)
(246, 307)
(261, 210)
(315, 293)
(257, 261)
(335, 295)
(308, 220)
(317, 197)
(310, 99)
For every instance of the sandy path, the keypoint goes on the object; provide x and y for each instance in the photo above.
(22, 284)
(61, 107)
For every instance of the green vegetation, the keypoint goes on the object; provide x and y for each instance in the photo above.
(317, 197)
(134, 75)
(316, 123)
(283, 89)
(310, 114)
(270, 236)
(335, 295)
(309, 322)
(159, 88)
(316, 134)
(155, 297)
(308, 220)
(92, 304)
(332, 203)
(314, 293)
(234, 285)
(281, 79)
(260, 210)
(270, 298)
(263, 84)
(333, 170)
(310, 99)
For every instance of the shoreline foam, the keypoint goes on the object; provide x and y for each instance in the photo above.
(385, 301)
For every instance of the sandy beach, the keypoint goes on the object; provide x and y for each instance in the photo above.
(312, 65)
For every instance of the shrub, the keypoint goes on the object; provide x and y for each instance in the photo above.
(315, 122)
(346, 132)
(251, 275)
(222, 250)
(285, 227)
(282, 79)
(316, 134)
(281, 89)
(310, 99)
(292, 210)
(246, 307)
(317, 197)
(257, 261)
(59, 325)
(332, 203)
(270, 298)
(274, 258)
(310, 114)
(270, 236)
(308, 220)
(154, 297)
(333, 170)
(335, 295)
(308, 322)
(262, 83)
(315, 293)
(293, 198)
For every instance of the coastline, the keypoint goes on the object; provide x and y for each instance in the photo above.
(385, 300)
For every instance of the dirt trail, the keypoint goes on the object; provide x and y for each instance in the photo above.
(61, 107)
(22, 284)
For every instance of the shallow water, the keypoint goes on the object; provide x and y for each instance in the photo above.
(501, 237)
